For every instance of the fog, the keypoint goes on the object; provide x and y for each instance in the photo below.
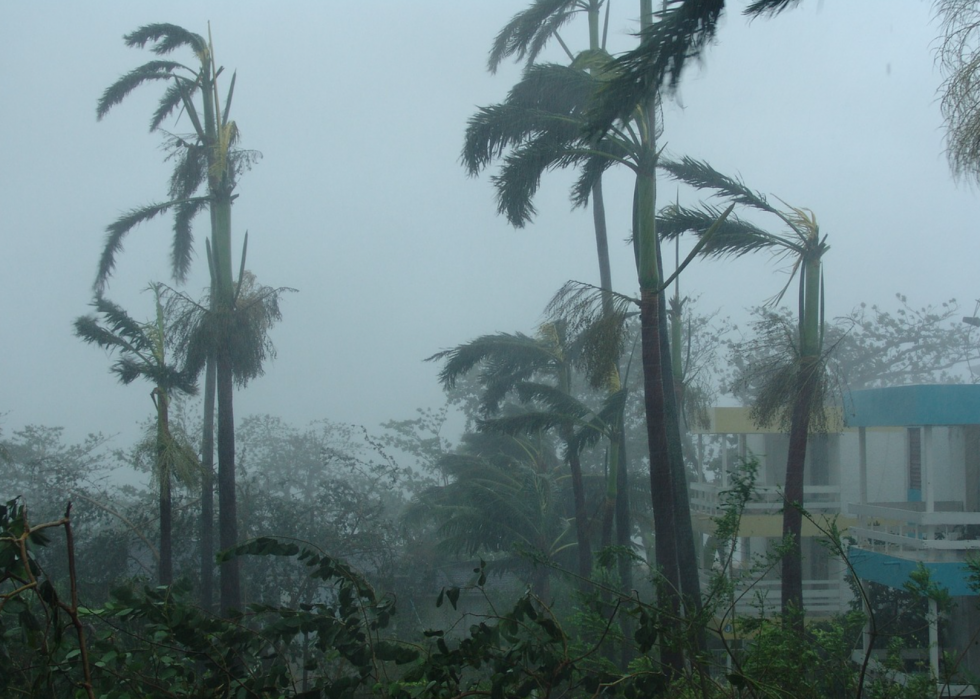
(360, 202)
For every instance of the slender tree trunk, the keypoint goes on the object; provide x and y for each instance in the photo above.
(624, 539)
(581, 512)
(792, 563)
(231, 592)
(661, 482)
(809, 374)
(166, 567)
(602, 244)
(687, 560)
(207, 489)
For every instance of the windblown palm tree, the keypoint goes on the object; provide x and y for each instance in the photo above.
(799, 382)
(502, 499)
(525, 36)
(207, 165)
(543, 125)
(142, 354)
(681, 31)
(538, 371)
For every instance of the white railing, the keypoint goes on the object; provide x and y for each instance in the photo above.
(707, 498)
(906, 526)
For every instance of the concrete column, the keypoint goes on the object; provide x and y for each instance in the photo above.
(929, 492)
(863, 464)
(934, 637)
(724, 461)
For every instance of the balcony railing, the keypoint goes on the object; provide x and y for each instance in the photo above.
(894, 527)
(707, 498)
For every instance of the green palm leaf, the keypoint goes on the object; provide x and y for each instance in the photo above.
(526, 34)
(167, 37)
(119, 90)
(117, 230)
(701, 175)
(732, 237)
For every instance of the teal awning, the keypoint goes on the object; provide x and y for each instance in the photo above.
(910, 406)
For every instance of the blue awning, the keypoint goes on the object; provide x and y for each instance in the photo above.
(911, 406)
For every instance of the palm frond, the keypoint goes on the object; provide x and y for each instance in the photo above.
(228, 99)
(682, 31)
(119, 90)
(559, 402)
(520, 177)
(544, 104)
(602, 424)
(178, 93)
(771, 8)
(604, 155)
(556, 89)
(524, 424)
(167, 37)
(114, 329)
(733, 237)
(505, 355)
(242, 329)
(190, 168)
(701, 175)
(596, 320)
(121, 324)
(90, 330)
(527, 32)
(182, 245)
(117, 230)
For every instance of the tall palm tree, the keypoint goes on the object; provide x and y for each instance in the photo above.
(209, 159)
(501, 498)
(142, 353)
(540, 126)
(525, 36)
(799, 383)
(534, 369)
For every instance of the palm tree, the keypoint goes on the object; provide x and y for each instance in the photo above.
(142, 349)
(534, 369)
(501, 498)
(207, 158)
(527, 33)
(798, 384)
(542, 125)
(682, 30)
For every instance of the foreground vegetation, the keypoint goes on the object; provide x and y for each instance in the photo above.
(349, 637)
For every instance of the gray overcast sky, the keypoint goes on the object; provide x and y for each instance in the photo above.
(359, 202)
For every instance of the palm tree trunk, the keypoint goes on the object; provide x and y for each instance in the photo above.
(165, 571)
(661, 480)
(809, 374)
(792, 563)
(581, 512)
(624, 539)
(647, 251)
(687, 560)
(231, 593)
(230, 584)
(602, 244)
(207, 489)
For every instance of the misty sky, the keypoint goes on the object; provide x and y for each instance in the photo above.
(360, 203)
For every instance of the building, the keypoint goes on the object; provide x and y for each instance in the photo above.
(899, 473)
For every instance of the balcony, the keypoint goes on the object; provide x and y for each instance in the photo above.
(706, 499)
